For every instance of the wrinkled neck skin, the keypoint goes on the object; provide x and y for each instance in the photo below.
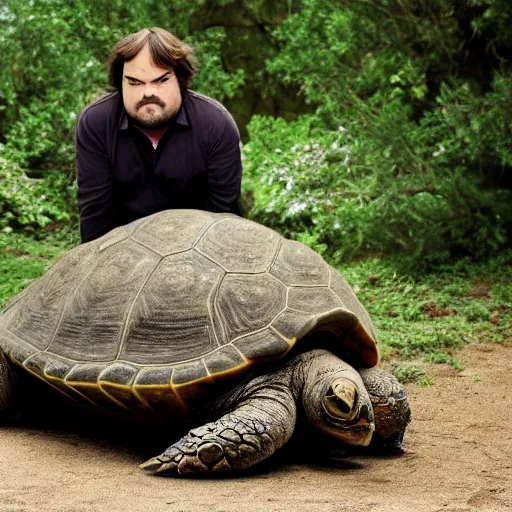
(284, 383)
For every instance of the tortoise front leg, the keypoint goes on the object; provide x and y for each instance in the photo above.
(259, 416)
(7, 385)
(261, 419)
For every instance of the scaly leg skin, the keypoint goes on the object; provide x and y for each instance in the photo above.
(390, 407)
(7, 387)
(240, 439)
(259, 416)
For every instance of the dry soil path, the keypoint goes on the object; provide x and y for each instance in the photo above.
(458, 458)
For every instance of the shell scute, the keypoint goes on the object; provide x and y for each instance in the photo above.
(85, 373)
(37, 363)
(293, 324)
(120, 373)
(312, 300)
(54, 370)
(189, 372)
(18, 353)
(95, 315)
(115, 236)
(298, 265)
(84, 379)
(223, 361)
(246, 303)
(171, 232)
(239, 245)
(42, 302)
(261, 345)
(116, 382)
(171, 322)
(154, 376)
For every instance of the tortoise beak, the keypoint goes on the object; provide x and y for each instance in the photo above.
(354, 434)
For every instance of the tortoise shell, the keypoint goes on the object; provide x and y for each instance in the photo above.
(155, 312)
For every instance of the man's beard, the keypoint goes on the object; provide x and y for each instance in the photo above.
(155, 121)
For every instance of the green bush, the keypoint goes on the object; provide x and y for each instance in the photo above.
(327, 189)
(476, 312)
(408, 373)
(33, 204)
(409, 148)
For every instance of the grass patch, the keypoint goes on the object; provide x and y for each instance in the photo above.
(23, 259)
(426, 381)
(433, 314)
(426, 316)
(408, 373)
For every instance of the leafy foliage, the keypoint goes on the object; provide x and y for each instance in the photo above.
(32, 204)
(407, 148)
(317, 186)
(212, 78)
(422, 163)
(435, 313)
(22, 259)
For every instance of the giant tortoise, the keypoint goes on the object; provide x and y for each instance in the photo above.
(210, 318)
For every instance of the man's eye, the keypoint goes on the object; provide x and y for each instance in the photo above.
(133, 83)
(164, 80)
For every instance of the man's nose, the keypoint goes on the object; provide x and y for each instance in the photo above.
(149, 90)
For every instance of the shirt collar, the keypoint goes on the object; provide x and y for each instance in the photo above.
(181, 118)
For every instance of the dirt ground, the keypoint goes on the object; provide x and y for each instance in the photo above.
(458, 458)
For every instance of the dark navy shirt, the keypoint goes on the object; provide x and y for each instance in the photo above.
(121, 177)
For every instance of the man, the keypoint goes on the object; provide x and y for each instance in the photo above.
(153, 144)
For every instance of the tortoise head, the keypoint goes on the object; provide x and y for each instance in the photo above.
(336, 402)
(347, 413)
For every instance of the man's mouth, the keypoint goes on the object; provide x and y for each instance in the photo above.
(152, 102)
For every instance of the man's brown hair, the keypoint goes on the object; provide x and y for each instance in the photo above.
(166, 50)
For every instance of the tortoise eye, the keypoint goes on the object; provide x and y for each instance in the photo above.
(402, 395)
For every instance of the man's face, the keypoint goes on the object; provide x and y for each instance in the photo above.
(151, 94)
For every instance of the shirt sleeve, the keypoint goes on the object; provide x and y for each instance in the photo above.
(95, 181)
(224, 167)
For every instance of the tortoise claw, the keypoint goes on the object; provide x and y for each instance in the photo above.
(156, 465)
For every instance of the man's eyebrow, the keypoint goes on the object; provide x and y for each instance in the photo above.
(161, 77)
(152, 81)
(133, 79)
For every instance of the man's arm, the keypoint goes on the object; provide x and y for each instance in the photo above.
(95, 182)
(224, 167)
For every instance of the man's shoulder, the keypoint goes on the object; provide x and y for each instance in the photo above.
(204, 105)
(101, 109)
(210, 113)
